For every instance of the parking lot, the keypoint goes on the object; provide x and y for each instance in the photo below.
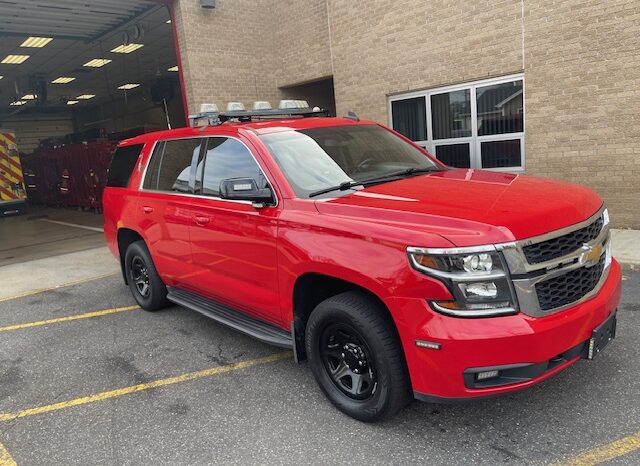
(88, 378)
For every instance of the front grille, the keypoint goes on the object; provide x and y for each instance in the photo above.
(570, 287)
(558, 247)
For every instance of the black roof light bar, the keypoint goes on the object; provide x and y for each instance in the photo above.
(217, 118)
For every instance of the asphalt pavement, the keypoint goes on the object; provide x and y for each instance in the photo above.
(125, 386)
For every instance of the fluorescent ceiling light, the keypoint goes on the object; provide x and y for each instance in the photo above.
(18, 103)
(29, 97)
(63, 80)
(97, 62)
(15, 59)
(85, 96)
(36, 42)
(127, 48)
(168, 21)
(72, 102)
(173, 68)
(1, 77)
(126, 87)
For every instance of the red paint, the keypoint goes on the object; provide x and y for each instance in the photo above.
(251, 258)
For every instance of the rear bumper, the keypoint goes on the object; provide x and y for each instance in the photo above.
(536, 348)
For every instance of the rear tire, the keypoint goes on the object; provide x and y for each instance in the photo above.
(356, 356)
(146, 286)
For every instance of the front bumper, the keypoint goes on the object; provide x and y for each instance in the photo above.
(555, 340)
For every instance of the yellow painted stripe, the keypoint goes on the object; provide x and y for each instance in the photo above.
(144, 386)
(57, 287)
(86, 315)
(5, 457)
(607, 452)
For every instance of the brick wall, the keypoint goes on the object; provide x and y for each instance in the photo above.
(581, 66)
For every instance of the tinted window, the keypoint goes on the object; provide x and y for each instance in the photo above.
(227, 158)
(122, 164)
(170, 165)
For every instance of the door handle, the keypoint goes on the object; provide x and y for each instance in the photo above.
(147, 209)
(200, 220)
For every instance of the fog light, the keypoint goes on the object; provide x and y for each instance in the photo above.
(487, 375)
(479, 290)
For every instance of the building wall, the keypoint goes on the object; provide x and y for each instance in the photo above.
(579, 60)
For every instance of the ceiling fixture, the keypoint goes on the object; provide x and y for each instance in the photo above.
(168, 21)
(29, 97)
(18, 103)
(127, 48)
(63, 80)
(173, 68)
(15, 59)
(126, 87)
(72, 102)
(97, 62)
(36, 42)
(85, 96)
(1, 77)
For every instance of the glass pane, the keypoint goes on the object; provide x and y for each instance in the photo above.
(228, 158)
(454, 155)
(122, 164)
(409, 118)
(175, 166)
(497, 154)
(451, 114)
(500, 108)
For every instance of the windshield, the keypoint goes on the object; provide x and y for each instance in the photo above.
(319, 158)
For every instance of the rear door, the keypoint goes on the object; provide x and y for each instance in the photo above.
(234, 243)
(164, 207)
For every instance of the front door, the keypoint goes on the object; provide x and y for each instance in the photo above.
(233, 243)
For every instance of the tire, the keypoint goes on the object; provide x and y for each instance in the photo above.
(140, 270)
(356, 357)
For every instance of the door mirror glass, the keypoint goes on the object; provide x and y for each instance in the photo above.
(245, 189)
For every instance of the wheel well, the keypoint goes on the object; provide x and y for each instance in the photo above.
(309, 291)
(125, 238)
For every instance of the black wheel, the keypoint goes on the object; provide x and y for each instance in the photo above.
(356, 356)
(145, 283)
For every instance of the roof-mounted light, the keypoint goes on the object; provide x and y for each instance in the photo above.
(261, 105)
(208, 108)
(235, 107)
(288, 103)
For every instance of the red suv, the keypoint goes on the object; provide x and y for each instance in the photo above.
(394, 275)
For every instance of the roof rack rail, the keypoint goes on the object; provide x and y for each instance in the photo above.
(217, 118)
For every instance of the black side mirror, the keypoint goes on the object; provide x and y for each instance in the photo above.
(245, 189)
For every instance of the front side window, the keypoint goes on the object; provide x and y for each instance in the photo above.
(477, 125)
(318, 158)
(226, 158)
(170, 165)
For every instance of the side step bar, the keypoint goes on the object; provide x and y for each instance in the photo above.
(237, 320)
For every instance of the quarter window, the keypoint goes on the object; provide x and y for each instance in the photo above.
(122, 165)
(476, 125)
(170, 166)
(226, 158)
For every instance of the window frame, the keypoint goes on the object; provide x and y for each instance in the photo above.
(474, 140)
(194, 166)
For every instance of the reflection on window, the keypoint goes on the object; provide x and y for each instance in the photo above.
(226, 159)
(496, 154)
(170, 168)
(451, 114)
(454, 155)
(500, 108)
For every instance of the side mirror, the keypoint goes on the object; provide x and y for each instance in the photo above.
(245, 189)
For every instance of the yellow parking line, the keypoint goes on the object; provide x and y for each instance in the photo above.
(5, 457)
(144, 386)
(86, 315)
(64, 285)
(607, 452)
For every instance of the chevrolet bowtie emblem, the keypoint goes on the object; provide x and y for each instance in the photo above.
(590, 255)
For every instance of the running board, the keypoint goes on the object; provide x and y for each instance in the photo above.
(237, 320)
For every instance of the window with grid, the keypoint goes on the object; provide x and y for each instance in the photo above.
(473, 125)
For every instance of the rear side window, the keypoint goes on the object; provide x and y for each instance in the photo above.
(122, 164)
(170, 165)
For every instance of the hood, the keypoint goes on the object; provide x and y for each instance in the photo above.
(471, 207)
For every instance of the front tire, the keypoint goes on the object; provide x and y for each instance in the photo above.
(356, 356)
(146, 286)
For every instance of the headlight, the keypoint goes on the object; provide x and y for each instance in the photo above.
(477, 278)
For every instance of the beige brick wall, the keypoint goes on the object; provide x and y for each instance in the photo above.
(581, 66)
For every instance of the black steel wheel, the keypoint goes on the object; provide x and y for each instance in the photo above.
(356, 356)
(142, 277)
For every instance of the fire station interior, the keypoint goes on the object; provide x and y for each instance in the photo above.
(75, 78)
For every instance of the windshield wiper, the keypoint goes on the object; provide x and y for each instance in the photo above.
(398, 174)
(341, 187)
